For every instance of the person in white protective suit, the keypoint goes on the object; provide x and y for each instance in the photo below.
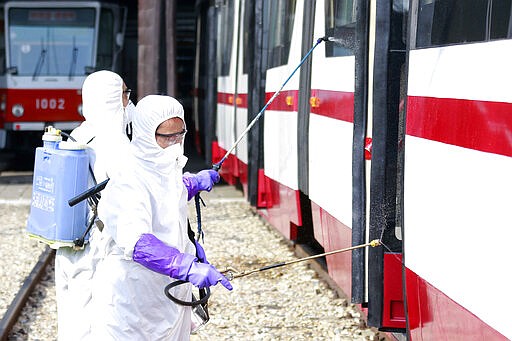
(106, 109)
(144, 242)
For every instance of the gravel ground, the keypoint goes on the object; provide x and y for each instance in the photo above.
(288, 303)
(18, 253)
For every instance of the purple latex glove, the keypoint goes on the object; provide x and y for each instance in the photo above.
(157, 256)
(201, 255)
(202, 181)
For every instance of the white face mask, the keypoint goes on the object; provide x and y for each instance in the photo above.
(174, 151)
(174, 154)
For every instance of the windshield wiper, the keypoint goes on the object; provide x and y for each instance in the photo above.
(40, 62)
(74, 57)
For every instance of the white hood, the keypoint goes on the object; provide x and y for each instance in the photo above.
(151, 111)
(103, 127)
(102, 97)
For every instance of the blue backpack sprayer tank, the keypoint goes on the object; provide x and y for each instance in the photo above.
(60, 173)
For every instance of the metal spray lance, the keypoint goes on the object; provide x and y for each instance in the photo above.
(216, 166)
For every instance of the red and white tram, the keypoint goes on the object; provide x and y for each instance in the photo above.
(399, 129)
(47, 48)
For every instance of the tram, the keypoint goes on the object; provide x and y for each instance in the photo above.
(398, 129)
(47, 48)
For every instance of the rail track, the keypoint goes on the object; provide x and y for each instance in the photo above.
(15, 308)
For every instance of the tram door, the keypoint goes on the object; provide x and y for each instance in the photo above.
(241, 92)
(234, 28)
(251, 88)
(378, 125)
(228, 22)
(205, 81)
(386, 307)
(329, 134)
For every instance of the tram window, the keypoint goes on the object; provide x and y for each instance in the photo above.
(400, 9)
(340, 21)
(501, 23)
(281, 15)
(225, 34)
(444, 22)
(104, 55)
(50, 41)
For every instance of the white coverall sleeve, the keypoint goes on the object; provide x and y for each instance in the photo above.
(125, 210)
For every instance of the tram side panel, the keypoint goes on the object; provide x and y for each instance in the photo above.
(458, 161)
(278, 195)
(330, 124)
(454, 194)
(280, 125)
(331, 129)
(241, 100)
(226, 85)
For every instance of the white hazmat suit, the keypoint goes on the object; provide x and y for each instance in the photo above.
(103, 132)
(148, 198)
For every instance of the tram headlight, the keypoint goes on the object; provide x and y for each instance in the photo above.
(17, 110)
(80, 110)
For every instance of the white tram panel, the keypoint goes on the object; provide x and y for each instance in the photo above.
(242, 89)
(227, 84)
(280, 128)
(457, 200)
(332, 193)
(476, 72)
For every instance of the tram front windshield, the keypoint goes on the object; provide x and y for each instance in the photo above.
(51, 41)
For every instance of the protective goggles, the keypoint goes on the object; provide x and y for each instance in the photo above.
(171, 139)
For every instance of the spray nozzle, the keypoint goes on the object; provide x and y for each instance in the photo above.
(216, 166)
(326, 38)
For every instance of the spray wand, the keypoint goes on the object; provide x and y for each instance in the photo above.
(232, 273)
(216, 166)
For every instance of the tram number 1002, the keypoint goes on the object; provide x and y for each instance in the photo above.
(50, 103)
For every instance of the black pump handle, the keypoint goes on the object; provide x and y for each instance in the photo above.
(88, 193)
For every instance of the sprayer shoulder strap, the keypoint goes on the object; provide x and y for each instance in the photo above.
(91, 171)
(202, 292)
(190, 232)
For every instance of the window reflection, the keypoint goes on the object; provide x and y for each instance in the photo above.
(281, 15)
(444, 22)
